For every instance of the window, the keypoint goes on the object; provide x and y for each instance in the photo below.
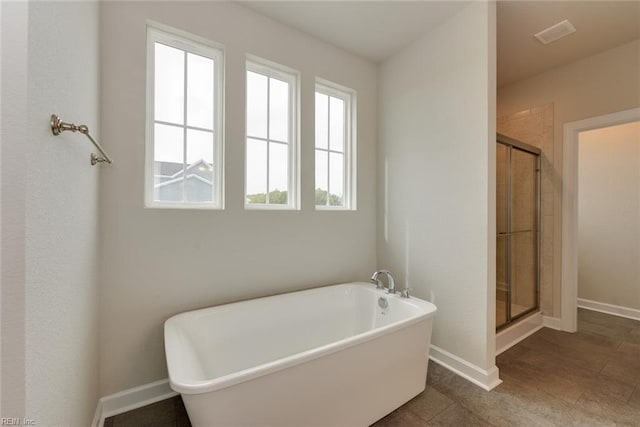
(335, 147)
(184, 157)
(271, 162)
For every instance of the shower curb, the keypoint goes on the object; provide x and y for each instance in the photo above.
(517, 332)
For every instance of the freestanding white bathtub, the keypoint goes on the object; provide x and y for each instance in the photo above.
(328, 356)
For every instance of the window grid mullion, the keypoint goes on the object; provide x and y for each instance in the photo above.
(184, 130)
(322, 149)
(345, 141)
(214, 157)
(267, 140)
(328, 147)
(266, 199)
(275, 141)
(161, 122)
(293, 180)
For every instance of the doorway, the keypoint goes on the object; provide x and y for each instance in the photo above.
(570, 207)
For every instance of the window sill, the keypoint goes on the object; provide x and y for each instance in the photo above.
(183, 206)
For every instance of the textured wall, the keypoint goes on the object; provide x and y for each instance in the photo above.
(62, 212)
(159, 262)
(60, 222)
(49, 213)
(14, 29)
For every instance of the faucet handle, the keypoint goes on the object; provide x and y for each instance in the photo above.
(405, 292)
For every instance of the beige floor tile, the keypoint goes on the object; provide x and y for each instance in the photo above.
(429, 403)
(605, 408)
(401, 417)
(457, 416)
(555, 385)
(437, 372)
(634, 400)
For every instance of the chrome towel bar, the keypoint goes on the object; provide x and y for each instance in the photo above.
(58, 126)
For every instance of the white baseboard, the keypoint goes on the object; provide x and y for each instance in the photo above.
(511, 336)
(616, 310)
(98, 418)
(147, 394)
(488, 380)
(132, 398)
(552, 322)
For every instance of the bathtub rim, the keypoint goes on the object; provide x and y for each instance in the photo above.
(254, 372)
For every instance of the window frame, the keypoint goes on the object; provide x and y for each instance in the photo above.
(292, 77)
(189, 43)
(349, 96)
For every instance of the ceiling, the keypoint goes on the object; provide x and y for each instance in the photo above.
(377, 29)
(600, 25)
(372, 29)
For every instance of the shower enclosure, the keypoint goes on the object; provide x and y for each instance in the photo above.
(518, 227)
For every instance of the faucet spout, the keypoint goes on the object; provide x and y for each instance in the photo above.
(378, 282)
(391, 288)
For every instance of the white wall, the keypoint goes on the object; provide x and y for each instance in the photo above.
(600, 84)
(49, 239)
(608, 215)
(0, 211)
(61, 215)
(14, 28)
(156, 263)
(437, 150)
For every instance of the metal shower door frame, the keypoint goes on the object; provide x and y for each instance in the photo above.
(511, 144)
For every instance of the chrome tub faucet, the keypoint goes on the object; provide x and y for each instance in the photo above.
(391, 288)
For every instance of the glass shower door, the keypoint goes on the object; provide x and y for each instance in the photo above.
(502, 238)
(524, 231)
(517, 216)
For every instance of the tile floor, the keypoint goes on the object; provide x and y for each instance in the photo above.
(590, 378)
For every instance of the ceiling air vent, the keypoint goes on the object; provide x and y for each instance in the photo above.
(555, 32)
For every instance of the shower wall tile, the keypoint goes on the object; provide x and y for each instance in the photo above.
(548, 117)
(519, 115)
(547, 245)
(538, 110)
(502, 121)
(546, 293)
(547, 232)
(535, 127)
(547, 140)
(547, 206)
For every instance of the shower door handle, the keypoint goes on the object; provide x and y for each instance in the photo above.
(514, 232)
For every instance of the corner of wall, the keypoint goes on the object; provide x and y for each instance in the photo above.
(487, 379)
(491, 190)
(13, 108)
(61, 325)
(420, 142)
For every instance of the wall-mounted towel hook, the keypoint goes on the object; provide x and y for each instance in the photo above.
(58, 126)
